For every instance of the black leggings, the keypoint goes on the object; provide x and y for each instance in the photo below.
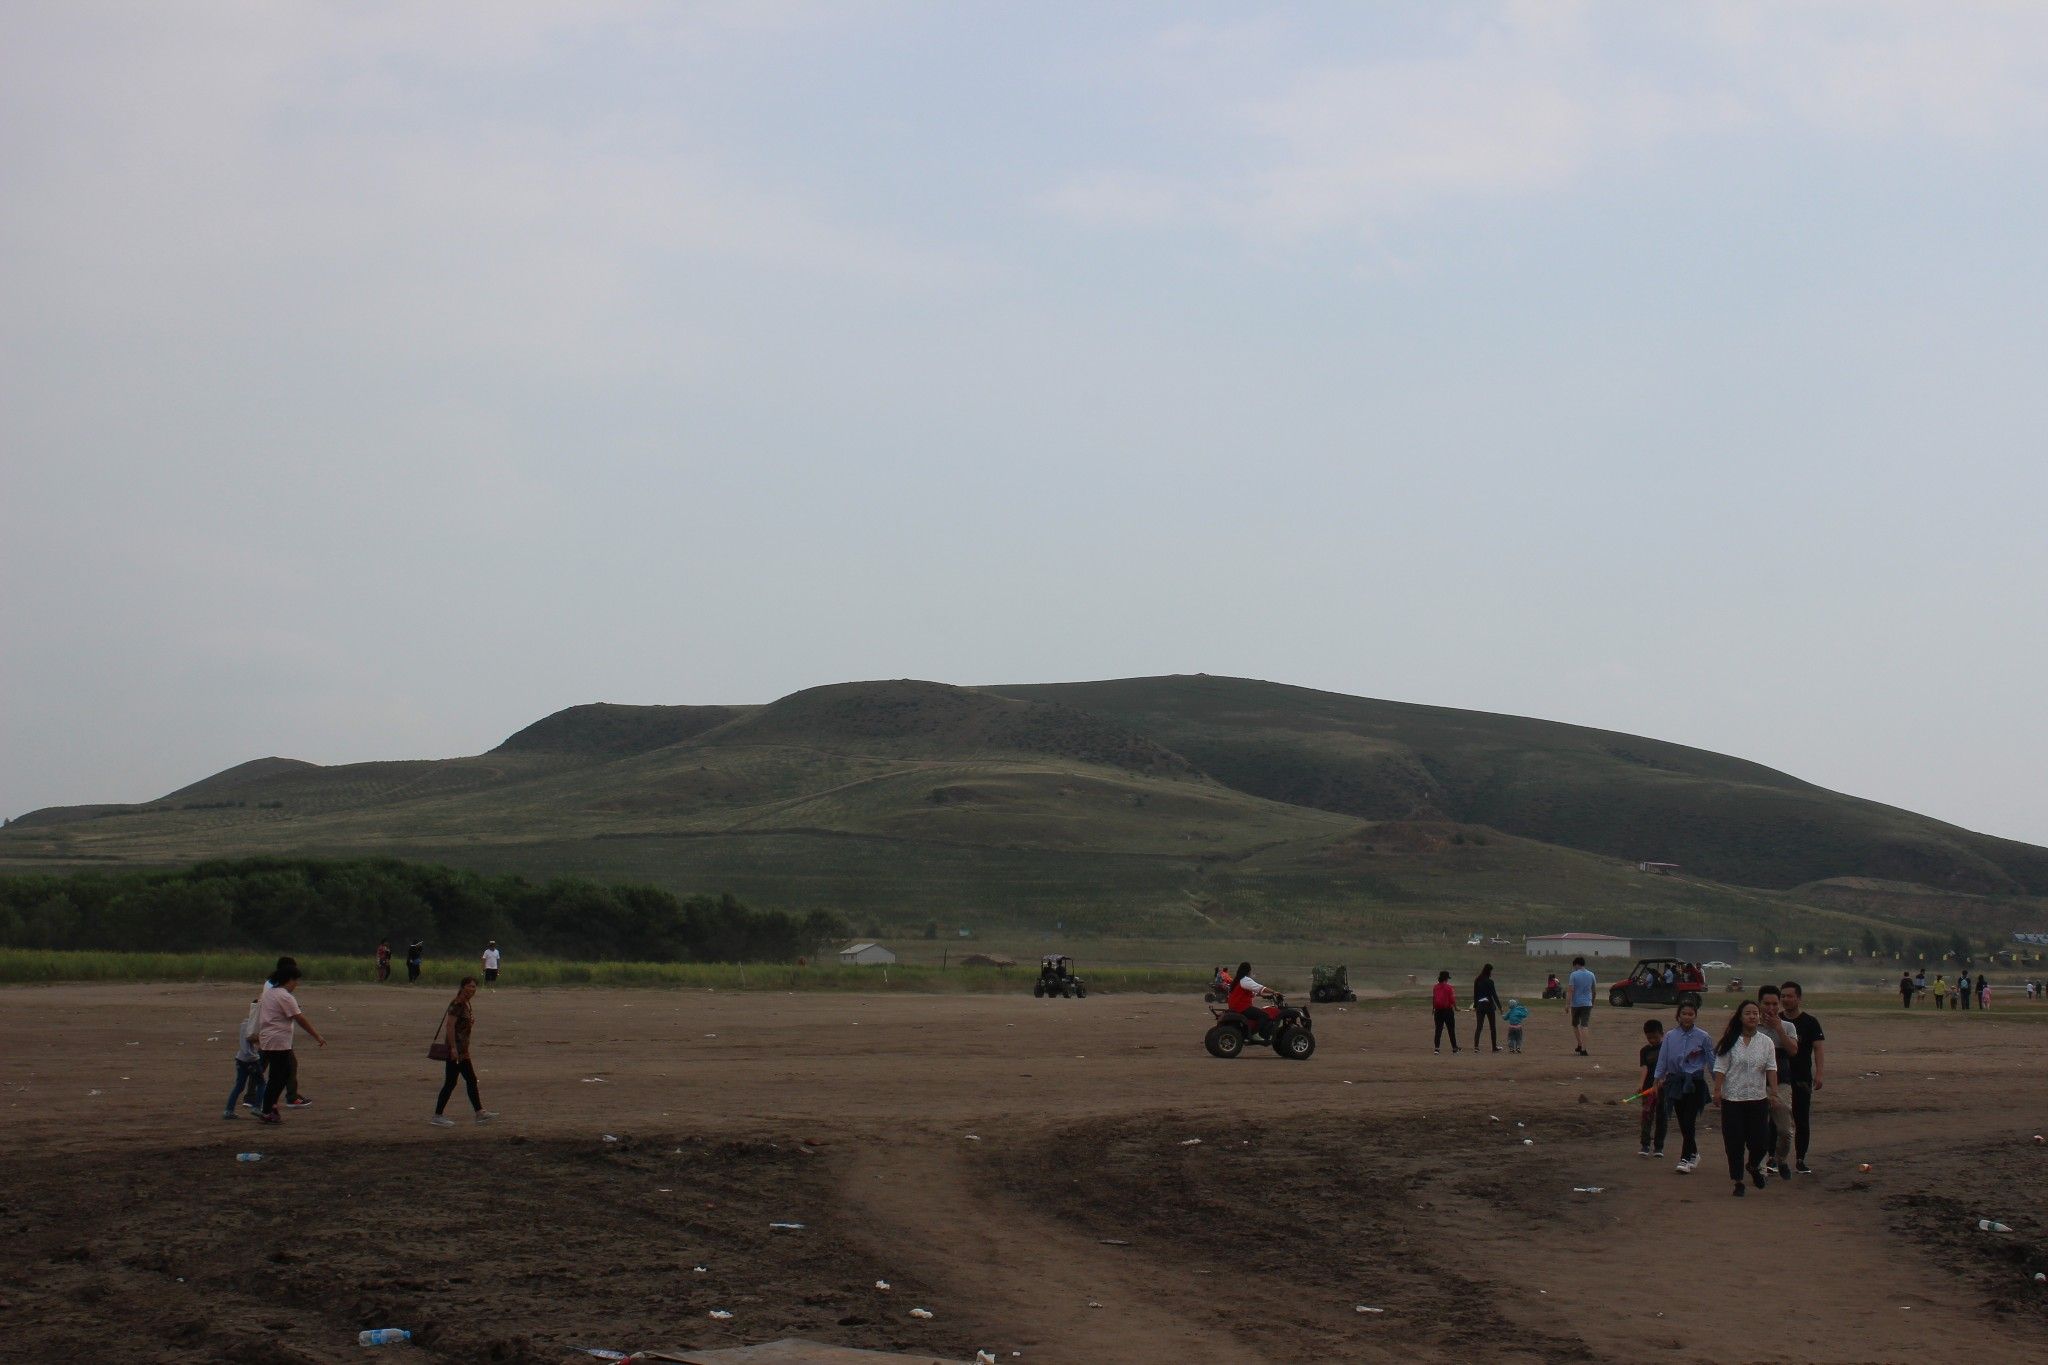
(1687, 1106)
(1802, 1116)
(468, 1074)
(282, 1069)
(1655, 1121)
(1482, 1018)
(1447, 1022)
(1745, 1127)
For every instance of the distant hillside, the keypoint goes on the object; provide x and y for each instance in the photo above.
(1596, 790)
(1192, 806)
(605, 728)
(242, 775)
(909, 718)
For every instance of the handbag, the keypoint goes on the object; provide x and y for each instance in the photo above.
(438, 1051)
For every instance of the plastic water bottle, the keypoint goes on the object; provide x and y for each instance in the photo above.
(383, 1336)
(248, 1156)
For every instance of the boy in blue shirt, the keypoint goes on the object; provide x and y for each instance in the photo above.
(1517, 1015)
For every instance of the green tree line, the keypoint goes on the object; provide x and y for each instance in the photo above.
(308, 905)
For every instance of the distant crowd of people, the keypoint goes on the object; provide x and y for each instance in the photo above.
(1958, 994)
(416, 956)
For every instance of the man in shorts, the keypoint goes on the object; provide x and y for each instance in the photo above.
(1806, 1066)
(491, 960)
(1578, 1003)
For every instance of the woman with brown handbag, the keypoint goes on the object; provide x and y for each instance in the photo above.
(454, 1055)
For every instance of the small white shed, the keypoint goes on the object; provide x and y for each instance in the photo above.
(865, 955)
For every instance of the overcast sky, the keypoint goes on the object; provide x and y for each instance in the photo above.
(375, 379)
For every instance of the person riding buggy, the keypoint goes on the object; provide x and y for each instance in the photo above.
(1551, 989)
(1242, 1020)
(1056, 977)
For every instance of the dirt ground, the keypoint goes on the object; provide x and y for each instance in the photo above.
(1054, 1180)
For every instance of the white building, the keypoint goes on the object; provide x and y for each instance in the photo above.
(1576, 945)
(865, 955)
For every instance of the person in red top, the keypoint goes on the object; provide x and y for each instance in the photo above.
(1243, 998)
(1444, 1000)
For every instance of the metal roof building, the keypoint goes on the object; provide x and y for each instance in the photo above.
(1576, 945)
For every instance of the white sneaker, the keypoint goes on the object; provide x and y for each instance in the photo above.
(442, 1121)
(1685, 1165)
(486, 1115)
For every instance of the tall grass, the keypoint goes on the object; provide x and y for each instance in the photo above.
(25, 966)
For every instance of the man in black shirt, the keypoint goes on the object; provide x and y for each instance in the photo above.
(1806, 1066)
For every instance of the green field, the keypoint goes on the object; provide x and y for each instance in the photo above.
(1163, 808)
(20, 966)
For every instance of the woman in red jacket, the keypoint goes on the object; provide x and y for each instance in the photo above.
(1444, 999)
(1245, 994)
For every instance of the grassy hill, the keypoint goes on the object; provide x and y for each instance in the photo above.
(1190, 806)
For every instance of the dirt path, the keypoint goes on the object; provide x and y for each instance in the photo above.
(1062, 1295)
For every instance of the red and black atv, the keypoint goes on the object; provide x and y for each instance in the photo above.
(1287, 1030)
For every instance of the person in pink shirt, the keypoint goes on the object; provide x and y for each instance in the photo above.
(277, 1014)
(1444, 1001)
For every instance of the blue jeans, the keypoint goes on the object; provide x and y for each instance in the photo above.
(248, 1075)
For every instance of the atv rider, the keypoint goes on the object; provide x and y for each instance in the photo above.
(1244, 992)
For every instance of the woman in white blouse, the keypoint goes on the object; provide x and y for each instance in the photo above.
(1745, 1084)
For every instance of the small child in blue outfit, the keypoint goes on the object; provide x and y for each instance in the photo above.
(1516, 1016)
(248, 1065)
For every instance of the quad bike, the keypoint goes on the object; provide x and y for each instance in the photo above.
(1218, 989)
(1332, 986)
(1287, 1030)
(1056, 977)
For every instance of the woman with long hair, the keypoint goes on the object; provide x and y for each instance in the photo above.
(1485, 1004)
(1745, 1087)
(1244, 997)
(457, 1021)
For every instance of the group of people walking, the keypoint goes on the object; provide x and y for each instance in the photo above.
(416, 955)
(1761, 1074)
(266, 1065)
(1955, 995)
(1488, 1013)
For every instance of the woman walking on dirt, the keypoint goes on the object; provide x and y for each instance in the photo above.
(1444, 1001)
(458, 1021)
(277, 1014)
(1485, 1004)
(1683, 1064)
(1745, 1088)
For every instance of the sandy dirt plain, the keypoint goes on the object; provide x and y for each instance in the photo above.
(1056, 1181)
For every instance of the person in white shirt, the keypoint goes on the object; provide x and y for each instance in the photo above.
(1745, 1087)
(491, 960)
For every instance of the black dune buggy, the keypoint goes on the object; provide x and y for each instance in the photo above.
(1056, 977)
(1287, 1030)
(1331, 986)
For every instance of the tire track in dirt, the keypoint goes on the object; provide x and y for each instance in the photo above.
(1003, 1262)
